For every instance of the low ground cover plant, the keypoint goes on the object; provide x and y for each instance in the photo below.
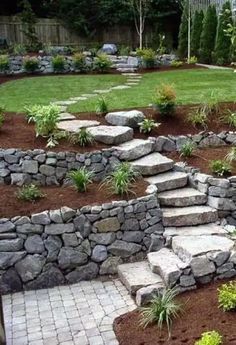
(176, 63)
(30, 193)
(58, 63)
(198, 117)
(102, 63)
(187, 149)
(79, 61)
(231, 156)
(165, 100)
(30, 64)
(162, 310)
(101, 106)
(81, 178)
(192, 60)
(2, 118)
(4, 63)
(83, 137)
(220, 167)
(148, 57)
(230, 118)
(210, 338)
(147, 125)
(227, 296)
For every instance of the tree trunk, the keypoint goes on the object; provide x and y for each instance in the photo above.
(140, 25)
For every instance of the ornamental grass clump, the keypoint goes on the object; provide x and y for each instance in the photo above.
(83, 137)
(230, 119)
(81, 178)
(2, 118)
(165, 100)
(30, 193)
(198, 117)
(210, 338)
(58, 63)
(231, 156)
(101, 106)
(162, 310)
(187, 149)
(227, 296)
(79, 61)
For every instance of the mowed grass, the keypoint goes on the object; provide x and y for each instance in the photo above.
(192, 86)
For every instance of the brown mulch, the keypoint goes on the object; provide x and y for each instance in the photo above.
(200, 314)
(201, 158)
(57, 197)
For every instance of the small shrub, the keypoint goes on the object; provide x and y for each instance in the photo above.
(198, 117)
(187, 149)
(4, 63)
(81, 178)
(102, 63)
(31, 64)
(230, 119)
(30, 193)
(220, 167)
(210, 338)
(149, 58)
(124, 51)
(176, 63)
(19, 49)
(212, 106)
(2, 118)
(58, 63)
(31, 112)
(231, 156)
(165, 100)
(101, 106)
(83, 137)
(162, 310)
(227, 296)
(147, 125)
(79, 61)
(192, 60)
(46, 118)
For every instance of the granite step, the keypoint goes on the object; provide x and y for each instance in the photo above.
(198, 230)
(153, 164)
(182, 197)
(187, 216)
(169, 180)
(134, 149)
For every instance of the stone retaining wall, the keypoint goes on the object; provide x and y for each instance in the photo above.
(66, 245)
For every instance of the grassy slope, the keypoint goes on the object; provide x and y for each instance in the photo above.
(192, 86)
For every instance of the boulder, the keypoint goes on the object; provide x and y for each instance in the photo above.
(99, 253)
(107, 225)
(123, 249)
(71, 258)
(30, 267)
(8, 259)
(109, 266)
(34, 244)
(87, 272)
(59, 229)
(10, 282)
(125, 118)
(53, 245)
(112, 135)
(47, 279)
(201, 266)
(11, 245)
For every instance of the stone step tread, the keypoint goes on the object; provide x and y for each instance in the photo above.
(198, 230)
(168, 180)
(153, 164)
(134, 149)
(182, 197)
(137, 275)
(191, 215)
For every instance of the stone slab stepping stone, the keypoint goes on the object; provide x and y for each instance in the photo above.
(102, 91)
(131, 84)
(121, 87)
(112, 135)
(74, 126)
(63, 108)
(88, 95)
(187, 216)
(167, 264)
(145, 295)
(132, 74)
(134, 149)
(80, 98)
(137, 275)
(69, 102)
(168, 181)
(66, 117)
(152, 164)
(199, 230)
(125, 118)
(188, 247)
(182, 197)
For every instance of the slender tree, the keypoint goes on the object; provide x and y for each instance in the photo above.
(208, 36)
(183, 32)
(223, 42)
(196, 33)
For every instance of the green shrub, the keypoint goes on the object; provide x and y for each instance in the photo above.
(212, 106)
(101, 106)
(46, 118)
(230, 119)
(31, 111)
(183, 33)
(4, 63)
(187, 149)
(31, 64)
(83, 137)
(147, 125)
(198, 117)
(196, 33)
(58, 63)
(29, 193)
(165, 100)
(210, 338)
(176, 63)
(227, 296)
(192, 60)
(124, 50)
(19, 49)
(220, 167)
(79, 61)
(148, 58)
(81, 178)
(102, 63)
(162, 310)
(231, 156)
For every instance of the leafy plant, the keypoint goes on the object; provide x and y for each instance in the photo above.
(187, 149)
(210, 338)
(4, 63)
(31, 64)
(149, 58)
(230, 118)
(83, 137)
(101, 106)
(220, 167)
(29, 193)
(124, 50)
(81, 178)
(102, 63)
(162, 310)
(2, 109)
(192, 60)
(31, 111)
(19, 49)
(212, 106)
(198, 117)
(79, 61)
(227, 296)
(176, 63)
(58, 63)
(231, 156)
(165, 99)
(147, 125)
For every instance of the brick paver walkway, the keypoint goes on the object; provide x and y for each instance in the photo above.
(80, 314)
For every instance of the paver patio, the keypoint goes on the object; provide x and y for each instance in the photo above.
(80, 314)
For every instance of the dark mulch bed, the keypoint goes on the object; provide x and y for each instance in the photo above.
(56, 197)
(201, 314)
(202, 157)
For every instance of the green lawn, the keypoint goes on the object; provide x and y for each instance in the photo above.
(192, 86)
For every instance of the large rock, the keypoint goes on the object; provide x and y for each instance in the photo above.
(34, 244)
(182, 197)
(10, 282)
(134, 149)
(130, 118)
(104, 239)
(30, 167)
(112, 135)
(123, 249)
(212, 140)
(74, 126)
(108, 225)
(110, 265)
(82, 225)
(59, 229)
(14, 245)
(29, 228)
(169, 180)
(41, 218)
(201, 266)
(152, 164)
(49, 278)
(71, 258)
(146, 294)
(8, 259)
(6, 226)
(30, 267)
(53, 245)
(99, 253)
(87, 272)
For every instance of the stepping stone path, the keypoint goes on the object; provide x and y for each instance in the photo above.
(112, 135)
(76, 99)
(74, 126)
(102, 91)
(64, 103)
(120, 87)
(66, 117)
(125, 118)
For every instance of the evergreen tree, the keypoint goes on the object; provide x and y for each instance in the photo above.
(208, 36)
(196, 33)
(223, 41)
(183, 33)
